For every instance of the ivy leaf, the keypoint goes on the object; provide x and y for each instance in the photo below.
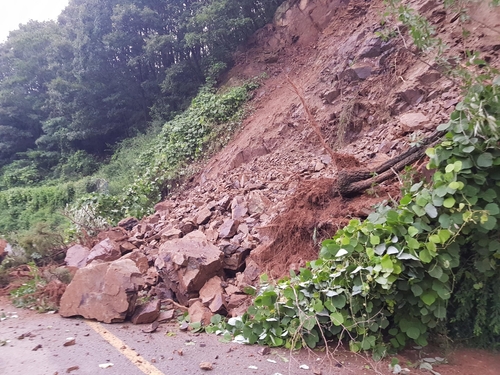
(406, 256)
(490, 224)
(431, 210)
(309, 323)
(436, 272)
(425, 256)
(337, 318)
(341, 253)
(417, 290)
(386, 263)
(374, 240)
(339, 301)
(440, 311)
(484, 160)
(419, 211)
(492, 208)
(444, 235)
(449, 202)
(429, 297)
(412, 231)
(318, 306)
(413, 333)
(380, 249)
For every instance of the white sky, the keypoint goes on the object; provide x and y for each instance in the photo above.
(14, 12)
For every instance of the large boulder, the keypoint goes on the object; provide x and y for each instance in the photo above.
(107, 250)
(103, 291)
(185, 264)
(76, 256)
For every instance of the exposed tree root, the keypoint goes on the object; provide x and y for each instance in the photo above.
(350, 183)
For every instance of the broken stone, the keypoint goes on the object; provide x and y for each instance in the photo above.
(199, 313)
(212, 235)
(258, 203)
(106, 250)
(206, 366)
(211, 288)
(69, 341)
(165, 316)
(103, 291)
(357, 72)
(264, 351)
(413, 121)
(319, 166)
(114, 234)
(372, 48)
(76, 256)
(140, 260)
(187, 227)
(202, 261)
(236, 300)
(146, 313)
(170, 234)
(331, 95)
(362, 71)
(164, 206)
(127, 247)
(224, 202)
(128, 223)
(239, 211)
(151, 328)
(203, 216)
(217, 306)
(236, 261)
(243, 228)
(429, 78)
(151, 277)
(252, 271)
(412, 96)
(231, 289)
(228, 228)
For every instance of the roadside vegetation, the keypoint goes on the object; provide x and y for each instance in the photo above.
(104, 111)
(414, 270)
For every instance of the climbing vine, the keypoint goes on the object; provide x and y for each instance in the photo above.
(390, 280)
(428, 263)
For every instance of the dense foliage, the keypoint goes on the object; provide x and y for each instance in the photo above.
(209, 120)
(41, 219)
(105, 71)
(427, 264)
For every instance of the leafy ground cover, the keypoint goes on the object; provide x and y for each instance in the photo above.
(424, 265)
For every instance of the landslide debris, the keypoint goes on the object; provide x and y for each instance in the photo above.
(264, 203)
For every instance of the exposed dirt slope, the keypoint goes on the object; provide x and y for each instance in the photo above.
(371, 99)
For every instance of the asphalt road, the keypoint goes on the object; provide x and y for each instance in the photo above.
(33, 344)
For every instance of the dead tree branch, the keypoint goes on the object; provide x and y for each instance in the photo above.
(350, 183)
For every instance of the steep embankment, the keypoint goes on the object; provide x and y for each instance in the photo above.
(264, 202)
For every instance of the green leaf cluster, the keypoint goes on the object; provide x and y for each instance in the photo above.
(408, 269)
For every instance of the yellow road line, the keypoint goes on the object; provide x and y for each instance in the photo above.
(140, 362)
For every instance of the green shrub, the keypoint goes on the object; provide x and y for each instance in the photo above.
(427, 264)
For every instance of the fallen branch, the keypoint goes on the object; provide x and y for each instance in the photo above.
(350, 183)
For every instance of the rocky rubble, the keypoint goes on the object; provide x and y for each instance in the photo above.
(371, 98)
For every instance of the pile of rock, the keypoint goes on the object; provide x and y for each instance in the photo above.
(191, 252)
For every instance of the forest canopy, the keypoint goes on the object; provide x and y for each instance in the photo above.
(105, 71)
